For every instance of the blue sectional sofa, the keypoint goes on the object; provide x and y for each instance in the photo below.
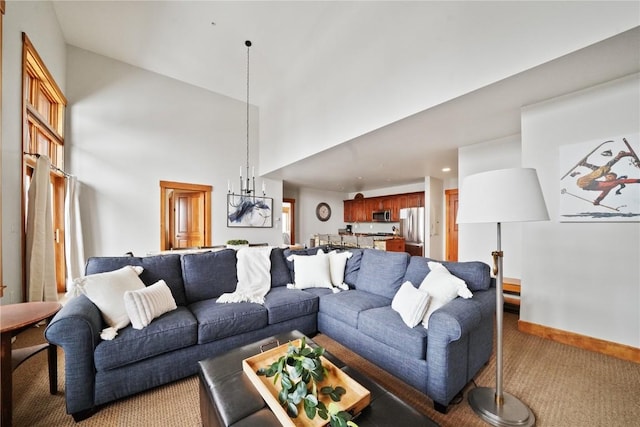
(438, 361)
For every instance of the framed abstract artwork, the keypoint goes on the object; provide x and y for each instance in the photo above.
(249, 211)
(600, 180)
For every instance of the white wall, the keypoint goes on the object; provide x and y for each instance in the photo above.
(489, 42)
(309, 224)
(434, 222)
(129, 129)
(581, 277)
(477, 241)
(38, 21)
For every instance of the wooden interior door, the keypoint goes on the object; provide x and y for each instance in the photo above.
(290, 206)
(452, 226)
(188, 219)
(169, 225)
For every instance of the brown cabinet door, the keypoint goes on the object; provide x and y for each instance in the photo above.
(361, 207)
(415, 200)
(348, 211)
(395, 245)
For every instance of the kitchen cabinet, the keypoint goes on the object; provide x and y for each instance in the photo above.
(356, 211)
(360, 210)
(394, 245)
(414, 250)
(348, 211)
(415, 200)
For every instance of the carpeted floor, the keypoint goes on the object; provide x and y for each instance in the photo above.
(563, 385)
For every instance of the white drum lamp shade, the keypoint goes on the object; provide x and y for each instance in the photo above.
(505, 195)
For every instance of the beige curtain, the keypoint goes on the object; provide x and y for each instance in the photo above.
(41, 274)
(74, 248)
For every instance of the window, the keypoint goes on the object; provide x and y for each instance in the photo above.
(43, 134)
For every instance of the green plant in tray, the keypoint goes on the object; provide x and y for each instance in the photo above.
(300, 371)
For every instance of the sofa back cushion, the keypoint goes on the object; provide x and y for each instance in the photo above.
(382, 272)
(280, 275)
(476, 274)
(157, 267)
(210, 274)
(353, 267)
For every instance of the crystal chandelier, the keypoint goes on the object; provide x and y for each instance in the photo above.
(247, 182)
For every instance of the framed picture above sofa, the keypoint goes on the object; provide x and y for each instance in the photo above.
(249, 211)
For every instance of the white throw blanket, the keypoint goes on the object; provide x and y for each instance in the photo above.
(254, 275)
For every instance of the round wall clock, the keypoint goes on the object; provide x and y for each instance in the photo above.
(323, 211)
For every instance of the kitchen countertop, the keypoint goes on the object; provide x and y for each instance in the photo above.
(376, 236)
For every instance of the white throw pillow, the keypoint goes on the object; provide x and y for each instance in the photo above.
(311, 271)
(106, 291)
(410, 303)
(337, 264)
(443, 287)
(144, 305)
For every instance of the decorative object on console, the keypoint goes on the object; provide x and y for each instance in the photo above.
(237, 244)
(323, 211)
(506, 195)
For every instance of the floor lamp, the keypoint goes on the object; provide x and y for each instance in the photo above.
(506, 195)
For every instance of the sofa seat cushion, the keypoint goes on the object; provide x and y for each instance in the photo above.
(386, 326)
(171, 331)
(217, 321)
(318, 292)
(347, 305)
(286, 304)
(381, 272)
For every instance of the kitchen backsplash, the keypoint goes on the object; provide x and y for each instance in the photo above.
(373, 227)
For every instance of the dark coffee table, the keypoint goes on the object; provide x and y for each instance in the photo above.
(228, 398)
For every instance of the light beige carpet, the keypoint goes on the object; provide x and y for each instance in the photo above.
(563, 385)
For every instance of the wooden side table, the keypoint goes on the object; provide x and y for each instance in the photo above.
(15, 318)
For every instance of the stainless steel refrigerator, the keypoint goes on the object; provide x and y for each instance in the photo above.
(412, 229)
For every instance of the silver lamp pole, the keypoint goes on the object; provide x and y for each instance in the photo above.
(508, 195)
(495, 406)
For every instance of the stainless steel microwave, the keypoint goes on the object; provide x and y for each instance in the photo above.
(381, 216)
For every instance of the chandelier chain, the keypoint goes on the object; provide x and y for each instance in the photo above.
(248, 48)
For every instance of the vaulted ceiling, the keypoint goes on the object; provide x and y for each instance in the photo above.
(202, 43)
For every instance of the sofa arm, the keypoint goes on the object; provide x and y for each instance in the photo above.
(453, 320)
(76, 328)
(453, 330)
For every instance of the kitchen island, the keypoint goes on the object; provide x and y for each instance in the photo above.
(382, 241)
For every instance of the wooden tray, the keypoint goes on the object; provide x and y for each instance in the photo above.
(353, 401)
